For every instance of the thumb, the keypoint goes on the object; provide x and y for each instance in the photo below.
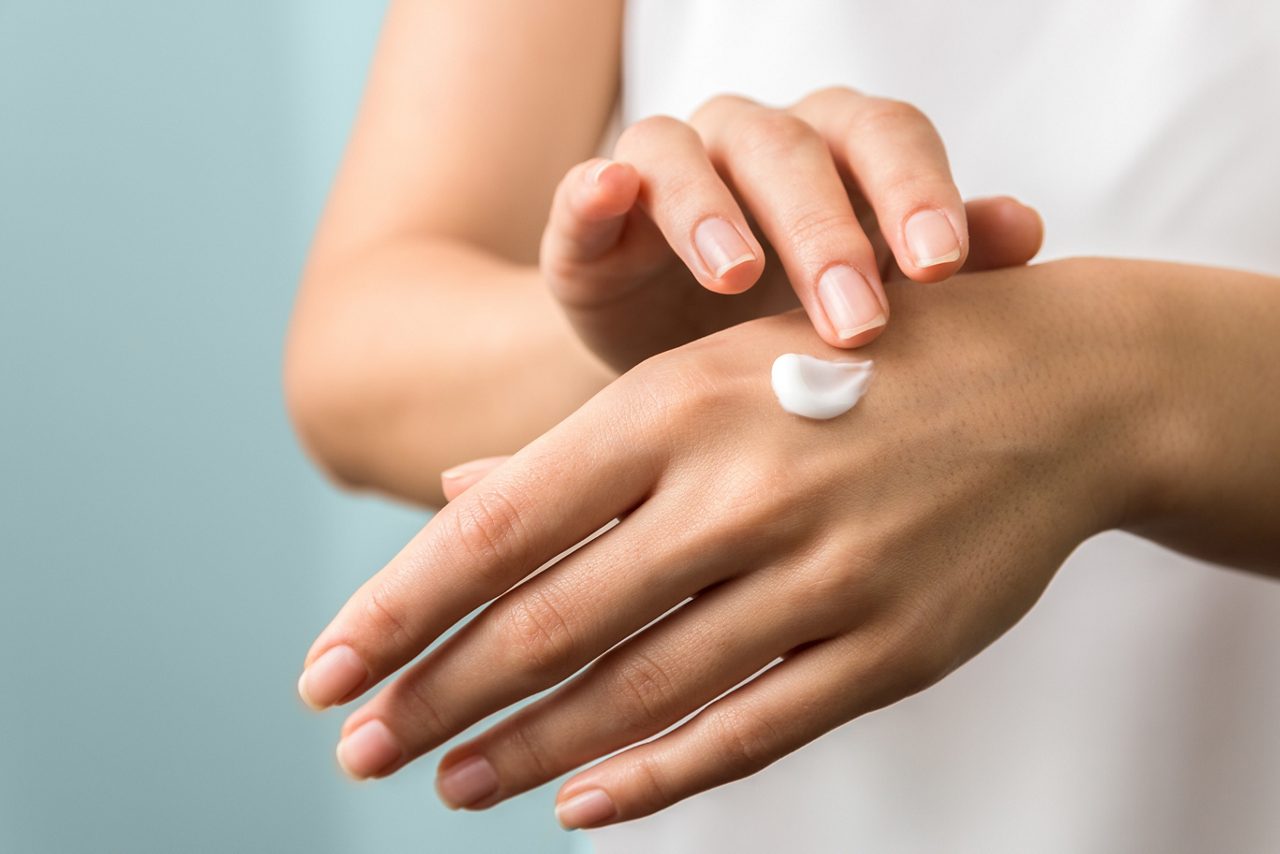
(459, 479)
(1003, 232)
(587, 219)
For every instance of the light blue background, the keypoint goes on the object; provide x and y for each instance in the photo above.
(166, 552)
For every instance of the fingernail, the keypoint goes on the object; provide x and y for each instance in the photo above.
(930, 239)
(331, 677)
(586, 809)
(850, 303)
(720, 246)
(599, 169)
(466, 783)
(367, 750)
(466, 469)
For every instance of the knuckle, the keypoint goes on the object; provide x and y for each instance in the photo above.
(649, 690)
(685, 190)
(672, 386)
(885, 115)
(774, 134)
(913, 186)
(430, 725)
(389, 625)
(829, 96)
(647, 131)
(898, 661)
(820, 225)
(822, 590)
(745, 739)
(650, 786)
(537, 631)
(719, 104)
(747, 494)
(540, 764)
(489, 529)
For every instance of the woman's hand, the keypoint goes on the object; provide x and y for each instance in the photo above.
(640, 250)
(1008, 420)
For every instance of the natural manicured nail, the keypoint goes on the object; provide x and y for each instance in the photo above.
(930, 239)
(849, 300)
(720, 246)
(470, 781)
(332, 676)
(368, 750)
(586, 809)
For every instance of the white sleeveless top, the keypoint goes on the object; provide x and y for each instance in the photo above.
(1137, 707)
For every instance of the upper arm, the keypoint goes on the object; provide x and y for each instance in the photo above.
(472, 113)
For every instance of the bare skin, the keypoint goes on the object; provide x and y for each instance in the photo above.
(1016, 413)
(428, 251)
(873, 553)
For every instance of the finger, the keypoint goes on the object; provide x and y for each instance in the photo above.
(638, 689)
(459, 479)
(551, 495)
(539, 634)
(895, 157)
(1003, 232)
(784, 172)
(588, 212)
(689, 202)
(786, 707)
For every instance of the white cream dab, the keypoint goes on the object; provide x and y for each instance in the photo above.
(815, 388)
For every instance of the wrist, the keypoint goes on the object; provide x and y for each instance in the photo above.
(1121, 378)
(1213, 473)
(1171, 346)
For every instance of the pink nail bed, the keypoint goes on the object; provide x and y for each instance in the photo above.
(586, 809)
(468, 782)
(721, 246)
(332, 676)
(368, 750)
(930, 239)
(850, 301)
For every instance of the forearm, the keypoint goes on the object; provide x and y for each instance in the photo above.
(1217, 489)
(418, 356)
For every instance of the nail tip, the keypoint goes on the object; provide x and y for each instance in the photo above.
(342, 765)
(953, 255)
(724, 268)
(304, 696)
(590, 808)
(468, 784)
(846, 334)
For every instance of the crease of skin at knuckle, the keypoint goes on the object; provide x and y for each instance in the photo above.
(772, 136)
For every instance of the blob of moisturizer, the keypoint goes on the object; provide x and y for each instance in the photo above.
(815, 388)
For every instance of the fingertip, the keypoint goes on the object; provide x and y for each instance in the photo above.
(852, 339)
(457, 480)
(587, 807)
(609, 188)
(934, 244)
(737, 276)
(730, 256)
(1021, 224)
(1030, 220)
(453, 486)
(333, 678)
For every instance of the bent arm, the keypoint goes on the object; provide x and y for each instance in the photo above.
(422, 336)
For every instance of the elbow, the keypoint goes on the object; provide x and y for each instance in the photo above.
(320, 412)
(350, 420)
